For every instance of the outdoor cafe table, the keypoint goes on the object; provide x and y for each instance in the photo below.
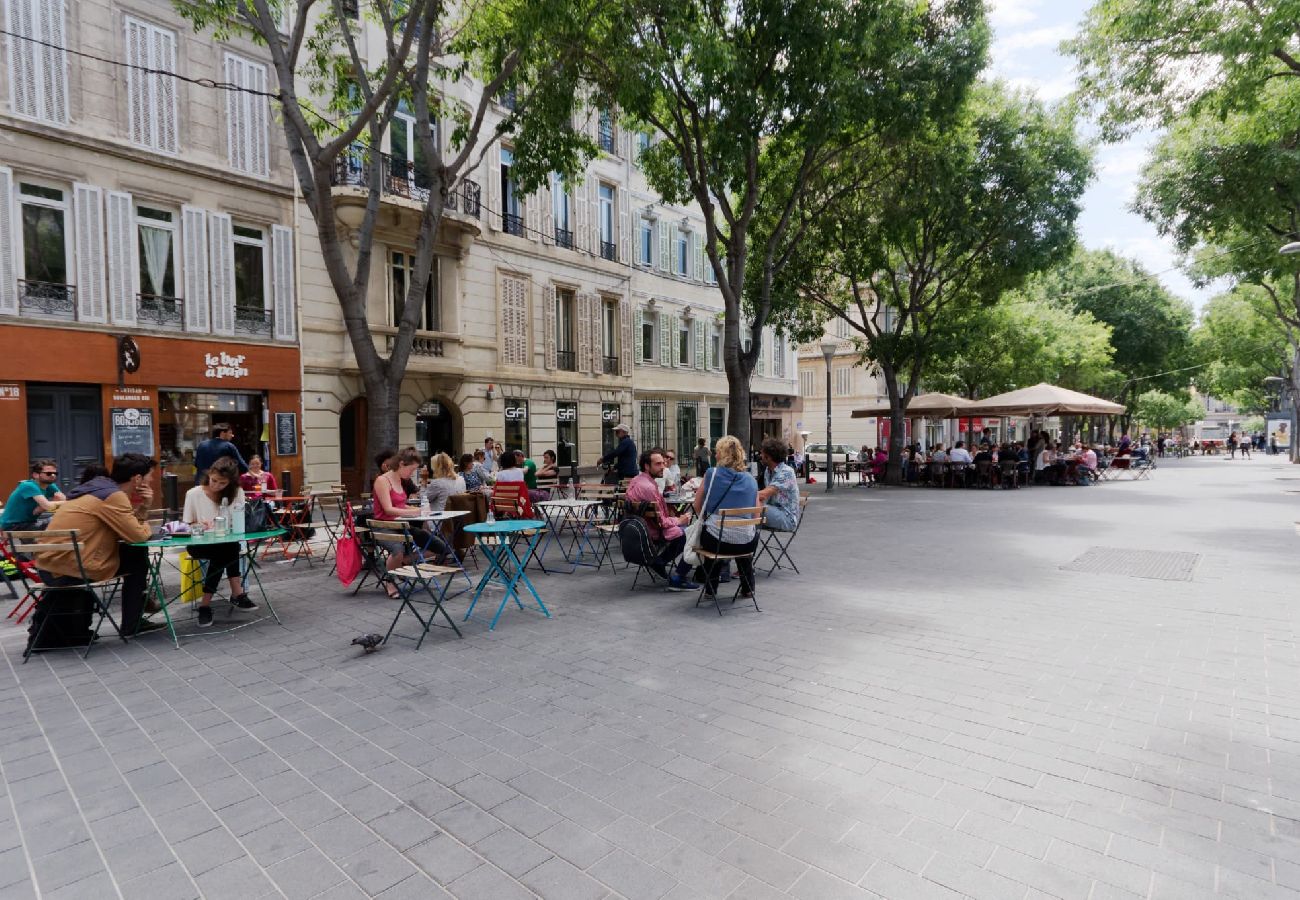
(505, 567)
(574, 517)
(248, 542)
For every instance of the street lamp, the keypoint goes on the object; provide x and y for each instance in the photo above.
(829, 346)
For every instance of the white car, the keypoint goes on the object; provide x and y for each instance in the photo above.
(816, 454)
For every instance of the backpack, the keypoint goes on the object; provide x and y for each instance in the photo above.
(634, 541)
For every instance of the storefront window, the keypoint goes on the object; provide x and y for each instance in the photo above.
(652, 424)
(517, 425)
(609, 413)
(185, 420)
(566, 432)
(687, 430)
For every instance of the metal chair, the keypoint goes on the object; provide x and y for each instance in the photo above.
(731, 518)
(776, 544)
(18, 572)
(421, 579)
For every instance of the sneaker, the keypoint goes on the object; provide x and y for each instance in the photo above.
(243, 601)
(146, 626)
(205, 616)
(678, 583)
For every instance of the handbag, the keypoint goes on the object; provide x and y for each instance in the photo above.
(347, 553)
(258, 516)
(696, 529)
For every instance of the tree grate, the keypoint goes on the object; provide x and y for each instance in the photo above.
(1158, 564)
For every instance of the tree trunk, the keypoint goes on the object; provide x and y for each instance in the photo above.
(738, 412)
(897, 436)
(382, 399)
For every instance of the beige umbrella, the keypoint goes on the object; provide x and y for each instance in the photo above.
(926, 406)
(1044, 400)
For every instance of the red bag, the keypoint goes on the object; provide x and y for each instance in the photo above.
(347, 555)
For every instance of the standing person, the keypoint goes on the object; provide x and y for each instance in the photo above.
(781, 493)
(214, 448)
(1232, 445)
(623, 456)
(490, 453)
(105, 509)
(32, 497)
(728, 485)
(202, 506)
(664, 528)
(701, 457)
(256, 480)
(1244, 446)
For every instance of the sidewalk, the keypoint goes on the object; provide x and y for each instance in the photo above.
(1054, 692)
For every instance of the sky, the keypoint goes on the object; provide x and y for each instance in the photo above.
(1027, 34)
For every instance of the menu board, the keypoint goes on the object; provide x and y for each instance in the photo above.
(286, 434)
(132, 431)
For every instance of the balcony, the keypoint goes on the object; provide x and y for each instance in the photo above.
(609, 365)
(605, 138)
(609, 250)
(566, 360)
(157, 311)
(512, 224)
(251, 320)
(563, 238)
(48, 299)
(400, 178)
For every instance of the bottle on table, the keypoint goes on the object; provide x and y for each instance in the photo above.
(223, 519)
(492, 516)
(424, 504)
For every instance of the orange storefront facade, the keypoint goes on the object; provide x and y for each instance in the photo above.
(62, 396)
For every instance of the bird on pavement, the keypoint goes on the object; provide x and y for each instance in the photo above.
(369, 642)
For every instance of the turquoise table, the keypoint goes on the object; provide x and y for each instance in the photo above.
(497, 541)
(249, 542)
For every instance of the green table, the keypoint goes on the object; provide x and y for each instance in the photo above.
(249, 541)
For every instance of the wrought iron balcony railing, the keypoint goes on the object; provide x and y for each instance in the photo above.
(566, 360)
(48, 298)
(161, 311)
(610, 365)
(400, 178)
(250, 320)
(563, 238)
(605, 138)
(608, 250)
(512, 224)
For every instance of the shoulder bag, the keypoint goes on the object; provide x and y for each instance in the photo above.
(696, 528)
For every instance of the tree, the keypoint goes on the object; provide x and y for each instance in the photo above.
(1165, 412)
(969, 210)
(742, 91)
(349, 96)
(1243, 341)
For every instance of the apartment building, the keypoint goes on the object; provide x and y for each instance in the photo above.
(551, 317)
(852, 386)
(147, 249)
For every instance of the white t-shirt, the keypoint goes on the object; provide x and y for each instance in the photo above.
(959, 455)
(200, 508)
(1044, 460)
(505, 476)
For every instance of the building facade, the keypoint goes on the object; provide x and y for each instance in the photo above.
(147, 243)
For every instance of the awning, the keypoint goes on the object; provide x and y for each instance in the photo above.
(1044, 400)
(927, 406)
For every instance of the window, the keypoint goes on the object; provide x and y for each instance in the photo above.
(843, 381)
(565, 358)
(561, 211)
(684, 343)
(409, 169)
(652, 424)
(683, 252)
(646, 244)
(566, 433)
(642, 143)
(252, 292)
(156, 246)
(517, 425)
(512, 218)
(247, 119)
(778, 356)
(807, 383)
(715, 347)
(688, 426)
(38, 68)
(608, 250)
(648, 336)
(842, 330)
(45, 285)
(403, 271)
(605, 131)
(151, 98)
(609, 417)
(609, 336)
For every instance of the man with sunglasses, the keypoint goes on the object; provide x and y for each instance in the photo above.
(32, 497)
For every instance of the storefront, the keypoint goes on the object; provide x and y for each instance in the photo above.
(68, 396)
(772, 416)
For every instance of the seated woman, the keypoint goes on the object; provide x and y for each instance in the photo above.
(782, 491)
(878, 464)
(470, 473)
(202, 506)
(727, 486)
(443, 484)
(256, 480)
(390, 495)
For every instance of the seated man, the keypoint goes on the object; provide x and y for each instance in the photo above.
(781, 495)
(959, 453)
(1087, 465)
(32, 497)
(665, 529)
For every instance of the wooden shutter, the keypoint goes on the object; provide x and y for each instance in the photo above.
(515, 349)
(88, 244)
(762, 353)
(546, 203)
(493, 179)
(138, 83)
(221, 256)
(285, 305)
(582, 315)
(194, 263)
(662, 323)
(236, 121)
(596, 310)
(593, 216)
(8, 237)
(549, 299)
(258, 119)
(25, 60)
(628, 336)
(624, 229)
(164, 90)
(580, 216)
(700, 342)
(54, 71)
(123, 258)
(697, 242)
(533, 216)
(709, 361)
(665, 247)
(637, 347)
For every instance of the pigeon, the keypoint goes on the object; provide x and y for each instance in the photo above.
(369, 642)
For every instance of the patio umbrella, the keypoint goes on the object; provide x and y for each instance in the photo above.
(926, 406)
(1044, 400)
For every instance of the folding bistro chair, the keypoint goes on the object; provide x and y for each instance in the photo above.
(776, 544)
(331, 504)
(415, 583)
(510, 501)
(634, 541)
(17, 573)
(374, 556)
(101, 593)
(731, 518)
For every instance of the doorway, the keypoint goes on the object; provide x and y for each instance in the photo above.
(435, 430)
(65, 424)
(353, 449)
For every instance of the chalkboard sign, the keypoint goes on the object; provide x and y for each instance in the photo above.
(286, 434)
(132, 431)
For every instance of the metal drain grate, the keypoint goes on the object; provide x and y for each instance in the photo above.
(1158, 564)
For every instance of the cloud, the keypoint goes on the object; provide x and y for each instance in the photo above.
(1013, 12)
(1047, 36)
(1048, 90)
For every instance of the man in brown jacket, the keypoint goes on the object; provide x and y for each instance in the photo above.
(105, 509)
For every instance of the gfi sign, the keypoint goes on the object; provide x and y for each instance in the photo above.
(609, 415)
(516, 413)
(565, 413)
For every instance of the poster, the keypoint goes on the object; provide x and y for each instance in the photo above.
(1279, 432)
(132, 430)
(286, 434)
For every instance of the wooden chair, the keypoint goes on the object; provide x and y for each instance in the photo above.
(510, 500)
(739, 517)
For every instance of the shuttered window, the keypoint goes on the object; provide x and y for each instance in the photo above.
(151, 97)
(514, 321)
(38, 68)
(247, 116)
(807, 383)
(843, 381)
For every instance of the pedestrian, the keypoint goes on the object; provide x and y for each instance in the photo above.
(622, 460)
(214, 448)
(701, 457)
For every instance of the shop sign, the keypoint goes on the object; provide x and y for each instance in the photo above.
(286, 434)
(430, 408)
(517, 413)
(609, 414)
(223, 365)
(11, 392)
(132, 430)
(132, 395)
(566, 413)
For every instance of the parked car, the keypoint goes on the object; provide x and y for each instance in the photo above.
(816, 454)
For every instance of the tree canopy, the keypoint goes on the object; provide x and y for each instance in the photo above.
(1162, 411)
(1243, 342)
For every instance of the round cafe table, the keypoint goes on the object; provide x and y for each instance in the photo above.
(505, 567)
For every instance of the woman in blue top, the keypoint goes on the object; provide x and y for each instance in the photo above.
(727, 486)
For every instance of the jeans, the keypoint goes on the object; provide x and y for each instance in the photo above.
(778, 519)
(222, 559)
(712, 568)
(670, 551)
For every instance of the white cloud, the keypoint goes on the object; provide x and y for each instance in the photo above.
(1013, 12)
(1047, 36)
(1049, 90)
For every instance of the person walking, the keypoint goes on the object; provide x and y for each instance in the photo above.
(214, 448)
(701, 457)
(622, 458)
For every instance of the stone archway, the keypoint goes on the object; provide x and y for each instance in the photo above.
(439, 428)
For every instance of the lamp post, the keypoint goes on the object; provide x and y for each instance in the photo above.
(829, 346)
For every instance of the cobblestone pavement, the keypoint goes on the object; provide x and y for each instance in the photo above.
(937, 708)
